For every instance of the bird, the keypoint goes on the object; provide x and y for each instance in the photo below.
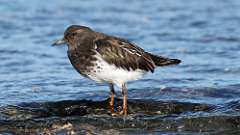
(109, 59)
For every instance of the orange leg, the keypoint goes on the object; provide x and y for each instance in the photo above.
(112, 95)
(125, 94)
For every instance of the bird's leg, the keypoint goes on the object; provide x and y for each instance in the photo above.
(125, 94)
(112, 95)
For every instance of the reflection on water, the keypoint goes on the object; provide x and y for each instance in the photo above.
(40, 92)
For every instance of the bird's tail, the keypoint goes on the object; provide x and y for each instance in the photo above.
(163, 61)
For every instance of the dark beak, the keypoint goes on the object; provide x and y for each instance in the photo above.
(59, 42)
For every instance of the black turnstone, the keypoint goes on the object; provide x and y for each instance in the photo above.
(109, 59)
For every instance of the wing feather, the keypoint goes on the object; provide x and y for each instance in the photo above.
(124, 54)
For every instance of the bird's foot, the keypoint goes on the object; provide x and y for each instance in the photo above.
(120, 113)
(117, 114)
(111, 109)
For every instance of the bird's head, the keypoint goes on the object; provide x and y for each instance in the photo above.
(72, 34)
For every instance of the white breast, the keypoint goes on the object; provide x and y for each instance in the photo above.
(104, 72)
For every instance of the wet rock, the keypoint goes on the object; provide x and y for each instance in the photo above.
(85, 116)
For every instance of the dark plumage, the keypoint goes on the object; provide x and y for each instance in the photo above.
(109, 59)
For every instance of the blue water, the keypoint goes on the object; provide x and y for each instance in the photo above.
(204, 35)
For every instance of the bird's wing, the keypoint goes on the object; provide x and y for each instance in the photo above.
(124, 54)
